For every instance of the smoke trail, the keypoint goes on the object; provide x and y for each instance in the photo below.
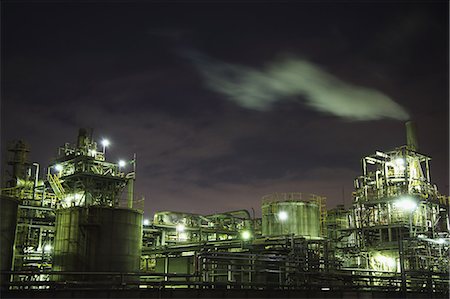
(293, 77)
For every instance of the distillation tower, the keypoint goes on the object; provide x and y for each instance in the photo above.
(74, 220)
(399, 222)
(93, 232)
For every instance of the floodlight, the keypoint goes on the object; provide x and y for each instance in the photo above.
(406, 204)
(122, 163)
(180, 228)
(282, 215)
(105, 142)
(146, 222)
(246, 235)
(58, 167)
(47, 248)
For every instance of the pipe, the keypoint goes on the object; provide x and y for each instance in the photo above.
(130, 193)
(36, 179)
(243, 212)
(82, 137)
(131, 184)
(411, 136)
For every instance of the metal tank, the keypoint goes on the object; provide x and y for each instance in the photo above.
(8, 212)
(97, 239)
(288, 214)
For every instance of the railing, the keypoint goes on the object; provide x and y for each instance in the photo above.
(33, 198)
(342, 280)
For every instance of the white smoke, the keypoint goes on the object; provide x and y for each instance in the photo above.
(292, 77)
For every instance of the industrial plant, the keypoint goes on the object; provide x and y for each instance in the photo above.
(75, 228)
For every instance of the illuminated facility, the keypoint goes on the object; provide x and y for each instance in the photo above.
(81, 228)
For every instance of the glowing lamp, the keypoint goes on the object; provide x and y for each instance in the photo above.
(105, 142)
(58, 167)
(282, 215)
(146, 222)
(180, 228)
(122, 163)
(47, 248)
(386, 261)
(246, 235)
(406, 204)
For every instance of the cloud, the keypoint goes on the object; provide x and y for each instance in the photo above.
(291, 78)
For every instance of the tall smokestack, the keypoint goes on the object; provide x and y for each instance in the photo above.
(411, 136)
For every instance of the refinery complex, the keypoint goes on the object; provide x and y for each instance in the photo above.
(75, 228)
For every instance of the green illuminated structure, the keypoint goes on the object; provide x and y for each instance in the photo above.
(399, 222)
(81, 224)
(93, 232)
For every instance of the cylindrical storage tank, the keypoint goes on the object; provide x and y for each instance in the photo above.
(283, 214)
(97, 239)
(8, 212)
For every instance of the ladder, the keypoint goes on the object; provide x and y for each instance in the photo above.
(56, 185)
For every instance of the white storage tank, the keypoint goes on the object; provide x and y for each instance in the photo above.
(289, 214)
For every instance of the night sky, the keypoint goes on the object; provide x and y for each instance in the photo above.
(224, 103)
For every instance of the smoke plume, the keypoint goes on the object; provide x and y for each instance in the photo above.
(293, 78)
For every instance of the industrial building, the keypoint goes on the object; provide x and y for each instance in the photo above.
(78, 230)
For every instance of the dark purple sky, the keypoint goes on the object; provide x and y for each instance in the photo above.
(224, 103)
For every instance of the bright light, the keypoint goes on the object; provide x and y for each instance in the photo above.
(381, 154)
(382, 262)
(246, 235)
(47, 248)
(440, 241)
(180, 228)
(399, 162)
(146, 222)
(406, 204)
(105, 142)
(92, 152)
(325, 289)
(58, 167)
(122, 163)
(182, 236)
(282, 215)
(370, 161)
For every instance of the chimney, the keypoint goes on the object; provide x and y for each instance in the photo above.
(411, 136)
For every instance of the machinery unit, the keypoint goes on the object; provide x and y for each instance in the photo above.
(35, 214)
(80, 176)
